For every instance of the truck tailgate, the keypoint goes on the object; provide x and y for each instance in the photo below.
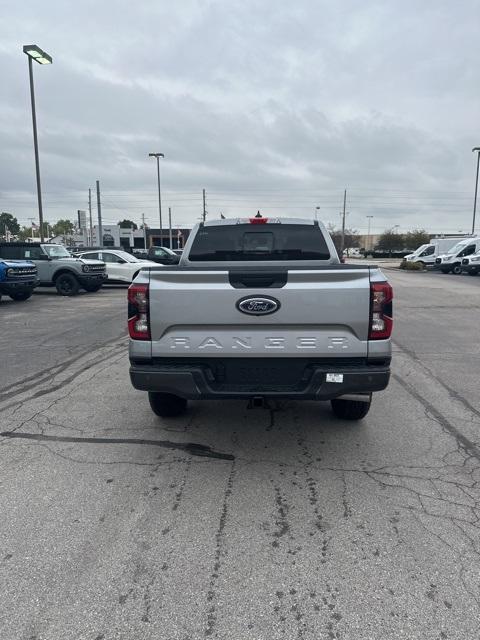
(322, 312)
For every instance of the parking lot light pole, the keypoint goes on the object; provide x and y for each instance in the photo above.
(477, 151)
(34, 52)
(158, 156)
(368, 232)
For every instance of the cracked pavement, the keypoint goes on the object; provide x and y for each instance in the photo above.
(232, 522)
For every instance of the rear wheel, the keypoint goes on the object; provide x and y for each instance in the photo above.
(351, 409)
(20, 295)
(67, 284)
(167, 405)
(457, 269)
(91, 288)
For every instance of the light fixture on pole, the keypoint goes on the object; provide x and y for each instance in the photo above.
(477, 151)
(34, 52)
(158, 156)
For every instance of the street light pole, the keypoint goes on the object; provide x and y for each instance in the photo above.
(368, 233)
(343, 219)
(35, 53)
(158, 156)
(317, 209)
(477, 150)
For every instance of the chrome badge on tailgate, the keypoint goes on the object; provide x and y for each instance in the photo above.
(258, 305)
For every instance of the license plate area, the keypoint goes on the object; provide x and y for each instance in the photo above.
(260, 375)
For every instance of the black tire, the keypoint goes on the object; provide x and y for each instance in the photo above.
(350, 409)
(472, 272)
(167, 405)
(67, 284)
(457, 269)
(20, 295)
(92, 288)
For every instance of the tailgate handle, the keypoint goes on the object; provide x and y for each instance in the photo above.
(265, 280)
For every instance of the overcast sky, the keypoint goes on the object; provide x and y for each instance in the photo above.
(266, 107)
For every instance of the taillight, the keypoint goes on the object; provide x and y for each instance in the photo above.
(381, 323)
(138, 312)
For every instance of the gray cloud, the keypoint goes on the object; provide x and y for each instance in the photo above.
(265, 106)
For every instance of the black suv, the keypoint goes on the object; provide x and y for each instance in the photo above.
(163, 255)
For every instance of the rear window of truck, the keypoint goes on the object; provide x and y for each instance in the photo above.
(241, 242)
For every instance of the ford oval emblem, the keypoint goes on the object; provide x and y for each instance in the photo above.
(258, 305)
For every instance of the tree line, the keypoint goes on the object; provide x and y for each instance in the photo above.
(390, 240)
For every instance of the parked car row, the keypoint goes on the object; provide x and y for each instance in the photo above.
(427, 254)
(458, 256)
(120, 265)
(52, 265)
(26, 265)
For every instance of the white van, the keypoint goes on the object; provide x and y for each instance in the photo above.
(452, 260)
(414, 257)
(428, 253)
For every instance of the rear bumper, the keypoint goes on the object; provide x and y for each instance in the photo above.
(197, 381)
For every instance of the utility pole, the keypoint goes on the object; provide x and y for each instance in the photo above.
(99, 210)
(170, 226)
(475, 149)
(157, 156)
(159, 201)
(204, 207)
(144, 232)
(343, 219)
(90, 214)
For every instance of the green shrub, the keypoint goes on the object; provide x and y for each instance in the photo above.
(412, 266)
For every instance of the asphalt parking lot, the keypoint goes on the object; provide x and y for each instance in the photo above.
(230, 522)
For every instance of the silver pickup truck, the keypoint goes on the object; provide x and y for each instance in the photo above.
(260, 308)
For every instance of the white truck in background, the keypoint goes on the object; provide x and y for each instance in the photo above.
(451, 261)
(427, 254)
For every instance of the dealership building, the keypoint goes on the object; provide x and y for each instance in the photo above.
(129, 239)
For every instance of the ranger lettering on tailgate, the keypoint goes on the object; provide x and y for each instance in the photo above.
(184, 343)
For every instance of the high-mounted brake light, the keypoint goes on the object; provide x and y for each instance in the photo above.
(258, 220)
(138, 312)
(381, 322)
